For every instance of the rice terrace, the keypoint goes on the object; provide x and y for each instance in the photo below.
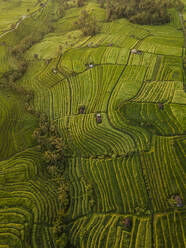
(92, 123)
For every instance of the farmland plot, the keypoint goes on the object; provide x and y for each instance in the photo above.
(98, 230)
(160, 45)
(17, 133)
(28, 202)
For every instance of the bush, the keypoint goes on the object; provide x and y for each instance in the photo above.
(87, 23)
(80, 3)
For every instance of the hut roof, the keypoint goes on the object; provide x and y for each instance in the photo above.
(160, 105)
(134, 50)
(126, 222)
(178, 201)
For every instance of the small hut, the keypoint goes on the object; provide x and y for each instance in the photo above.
(81, 109)
(126, 222)
(35, 56)
(160, 106)
(178, 201)
(91, 65)
(54, 70)
(134, 51)
(47, 61)
(98, 118)
(90, 44)
(139, 52)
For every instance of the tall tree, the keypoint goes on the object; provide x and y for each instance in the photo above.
(139, 11)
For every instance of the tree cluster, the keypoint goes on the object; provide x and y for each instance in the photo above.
(178, 4)
(80, 3)
(50, 142)
(53, 150)
(140, 11)
(17, 52)
(11, 76)
(30, 40)
(65, 4)
(87, 23)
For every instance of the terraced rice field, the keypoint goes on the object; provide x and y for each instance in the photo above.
(28, 202)
(12, 11)
(124, 171)
(16, 125)
(105, 226)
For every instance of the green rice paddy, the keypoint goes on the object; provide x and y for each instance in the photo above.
(125, 168)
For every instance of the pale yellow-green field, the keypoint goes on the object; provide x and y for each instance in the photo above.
(12, 10)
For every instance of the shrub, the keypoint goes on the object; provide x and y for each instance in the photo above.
(87, 23)
(80, 3)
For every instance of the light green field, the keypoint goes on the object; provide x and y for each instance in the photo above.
(128, 166)
(16, 125)
(12, 10)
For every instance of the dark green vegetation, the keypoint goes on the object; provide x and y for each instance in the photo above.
(65, 179)
(142, 11)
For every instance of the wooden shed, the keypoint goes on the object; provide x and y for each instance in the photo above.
(126, 222)
(82, 109)
(98, 118)
(178, 201)
(160, 106)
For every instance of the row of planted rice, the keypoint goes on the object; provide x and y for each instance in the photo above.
(104, 186)
(164, 172)
(28, 202)
(98, 230)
